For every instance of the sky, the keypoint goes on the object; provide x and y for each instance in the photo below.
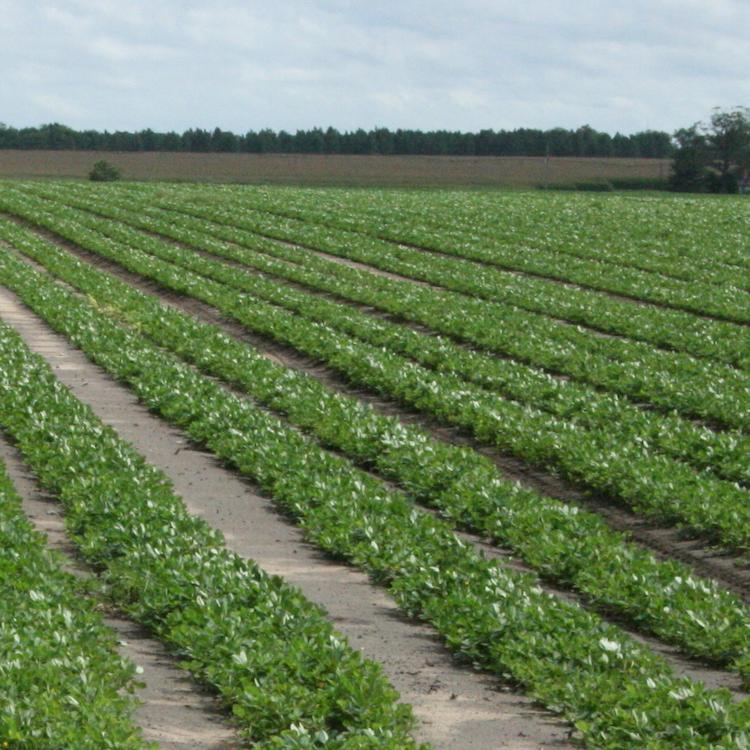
(616, 65)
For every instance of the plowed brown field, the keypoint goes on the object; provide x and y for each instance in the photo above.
(331, 169)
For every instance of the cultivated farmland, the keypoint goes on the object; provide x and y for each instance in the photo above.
(332, 169)
(380, 468)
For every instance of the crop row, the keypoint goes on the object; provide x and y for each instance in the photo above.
(497, 225)
(668, 381)
(62, 681)
(672, 329)
(616, 692)
(723, 453)
(664, 234)
(726, 303)
(563, 542)
(273, 656)
(651, 484)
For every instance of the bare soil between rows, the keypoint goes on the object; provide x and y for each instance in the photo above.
(659, 540)
(456, 707)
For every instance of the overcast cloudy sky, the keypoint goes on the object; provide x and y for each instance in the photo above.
(624, 65)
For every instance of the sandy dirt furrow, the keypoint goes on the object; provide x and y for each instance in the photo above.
(457, 708)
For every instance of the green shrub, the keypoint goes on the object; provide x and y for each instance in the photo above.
(593, 186)
(639, 183)
(722, 183)
(103, 171)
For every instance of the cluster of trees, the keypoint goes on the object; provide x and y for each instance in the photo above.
(584, 141)
(715, 156)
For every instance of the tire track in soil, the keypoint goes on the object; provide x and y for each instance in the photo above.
(457, 708)
(176, 711)
(510, 466)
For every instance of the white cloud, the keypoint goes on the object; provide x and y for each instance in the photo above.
(118, 51)
(60, 108)
(174, 64)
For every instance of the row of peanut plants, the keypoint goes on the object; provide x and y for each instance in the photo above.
(288, 677)
(62, 681)
(671, 329)
(561, 541)
(664, 234)
(616, 692)
(723, 453)
(652, 484)
(425, 230)
(522, 222)
(666, 381)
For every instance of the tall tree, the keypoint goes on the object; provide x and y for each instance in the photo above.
(690, 160)
(729, 139)
(713, 156)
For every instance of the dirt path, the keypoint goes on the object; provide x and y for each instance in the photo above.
(457, 708)
(176, 712)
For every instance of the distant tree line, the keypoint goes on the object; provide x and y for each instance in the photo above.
(584, 141)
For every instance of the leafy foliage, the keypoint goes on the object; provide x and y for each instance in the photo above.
(103, 171)
(665, 380)
(615, 691)
(62, 681)
(272, 655)
(713, 157)
(562, 541)
(583, 141)
(652, 484)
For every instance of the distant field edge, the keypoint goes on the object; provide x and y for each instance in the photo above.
(333, 169)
